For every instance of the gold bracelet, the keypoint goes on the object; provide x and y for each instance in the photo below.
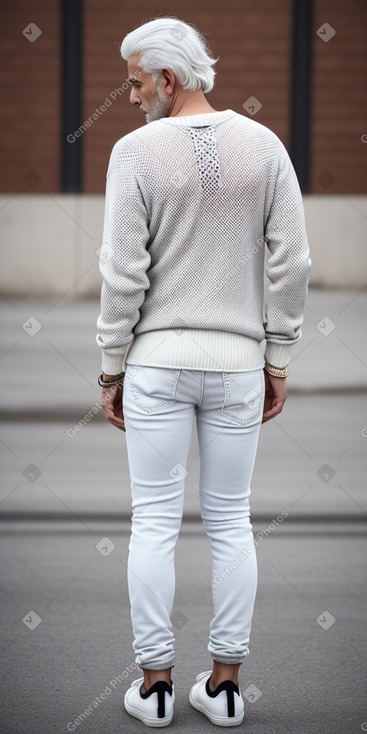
(276, 371)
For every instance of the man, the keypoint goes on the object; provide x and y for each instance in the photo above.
(192, 199)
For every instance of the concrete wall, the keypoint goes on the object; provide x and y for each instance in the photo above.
(50, 243)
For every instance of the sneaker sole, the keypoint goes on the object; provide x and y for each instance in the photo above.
(156, 723)
(233, 721)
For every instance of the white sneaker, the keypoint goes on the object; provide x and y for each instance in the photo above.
(224, 706)
(153, 708)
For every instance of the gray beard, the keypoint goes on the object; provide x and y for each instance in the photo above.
(160, 108)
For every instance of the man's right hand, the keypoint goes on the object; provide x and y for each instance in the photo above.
(275, 396)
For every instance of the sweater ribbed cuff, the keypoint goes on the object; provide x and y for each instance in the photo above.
(113, 359)
(278, 354)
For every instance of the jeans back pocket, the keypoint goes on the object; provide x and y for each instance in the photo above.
(244, 394)
(153, 388)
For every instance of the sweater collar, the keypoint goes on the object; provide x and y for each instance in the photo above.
(208, 118)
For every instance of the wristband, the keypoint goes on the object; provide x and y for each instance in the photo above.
(108, 383)
(276, 371)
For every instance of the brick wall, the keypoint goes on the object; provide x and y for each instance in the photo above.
(253, 40)
(30, 96)
(339, 156)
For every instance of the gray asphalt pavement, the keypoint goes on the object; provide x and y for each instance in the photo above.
(61, 457)
(310, 463)
(50, 358)
(66, 632)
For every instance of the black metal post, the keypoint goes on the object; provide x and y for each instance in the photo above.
(302, 41)
(71, 97)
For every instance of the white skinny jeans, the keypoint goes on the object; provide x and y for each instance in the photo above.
(159, 405)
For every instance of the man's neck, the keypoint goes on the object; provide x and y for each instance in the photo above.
(194, 111)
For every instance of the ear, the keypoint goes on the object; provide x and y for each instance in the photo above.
(167, 80)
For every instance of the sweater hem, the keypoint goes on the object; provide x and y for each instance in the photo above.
(196, 369)
(197, 349)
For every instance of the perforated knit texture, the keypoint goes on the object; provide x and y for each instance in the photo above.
(207, 156)
(190, 214)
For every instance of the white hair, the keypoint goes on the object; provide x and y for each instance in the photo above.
(169, 43)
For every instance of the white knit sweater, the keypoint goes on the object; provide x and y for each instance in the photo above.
(205, 258)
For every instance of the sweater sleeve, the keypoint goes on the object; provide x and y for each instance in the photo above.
(288, 264)
(124, 260)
